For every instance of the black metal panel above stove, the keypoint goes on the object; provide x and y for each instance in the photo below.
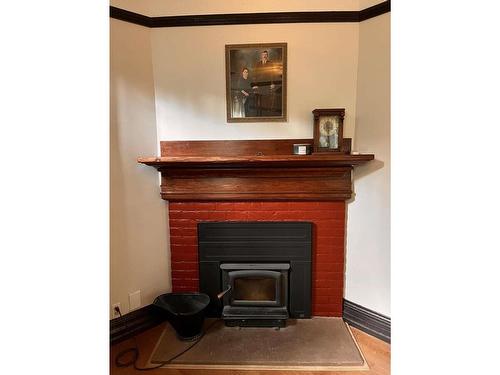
(255, 231)
(261, 242)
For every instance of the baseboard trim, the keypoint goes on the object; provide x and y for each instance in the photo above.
(367, 320)
(134, 323)
(251, 18)
(147, 317)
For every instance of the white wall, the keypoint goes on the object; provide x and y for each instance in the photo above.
(368, 224)
(192, 7)
(189, 73)
(139, 227)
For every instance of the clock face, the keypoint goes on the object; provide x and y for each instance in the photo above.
(329, 132)
(328, 125)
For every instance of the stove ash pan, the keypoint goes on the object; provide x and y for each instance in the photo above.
(263, 270)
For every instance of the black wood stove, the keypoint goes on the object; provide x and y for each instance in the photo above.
(258, 294)
(262, 270)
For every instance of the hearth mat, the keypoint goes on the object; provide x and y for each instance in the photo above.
(305, 344)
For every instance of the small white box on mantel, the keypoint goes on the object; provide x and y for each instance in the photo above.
(302, 149)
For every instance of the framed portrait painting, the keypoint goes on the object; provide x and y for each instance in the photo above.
(256, 82)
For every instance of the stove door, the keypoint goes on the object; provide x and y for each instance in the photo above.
(255, 288)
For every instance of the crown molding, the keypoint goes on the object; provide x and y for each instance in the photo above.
(131, 17)
(375, 11)
(250, 18)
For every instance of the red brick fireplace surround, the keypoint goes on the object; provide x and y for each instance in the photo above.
(328, 220)
(258, 181)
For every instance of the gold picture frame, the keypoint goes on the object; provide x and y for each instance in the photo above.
(256, 82)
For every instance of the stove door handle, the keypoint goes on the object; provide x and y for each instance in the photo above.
(221, 294)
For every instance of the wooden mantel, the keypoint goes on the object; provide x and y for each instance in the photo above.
(252, 171)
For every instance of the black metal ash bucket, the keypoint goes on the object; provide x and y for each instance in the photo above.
(184, 311)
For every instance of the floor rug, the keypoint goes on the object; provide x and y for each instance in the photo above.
(304, 344)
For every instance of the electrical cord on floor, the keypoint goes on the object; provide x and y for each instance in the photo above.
(135, 352)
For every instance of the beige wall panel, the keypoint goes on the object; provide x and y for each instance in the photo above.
(190, 88)
(368, 225)
(139, 227)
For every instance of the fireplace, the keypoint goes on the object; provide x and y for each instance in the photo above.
(263, 269)
(258, 180)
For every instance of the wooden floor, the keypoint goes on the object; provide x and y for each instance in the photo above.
(376, 352)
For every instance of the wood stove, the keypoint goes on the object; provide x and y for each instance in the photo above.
(263, 269)
(257, 294)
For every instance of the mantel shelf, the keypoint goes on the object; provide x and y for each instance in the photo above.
(262, 161)
(251, 171)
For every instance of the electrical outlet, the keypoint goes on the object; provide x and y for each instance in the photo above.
(134, 300)
(115, 313)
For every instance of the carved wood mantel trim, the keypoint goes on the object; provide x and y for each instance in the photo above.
(251, 170)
